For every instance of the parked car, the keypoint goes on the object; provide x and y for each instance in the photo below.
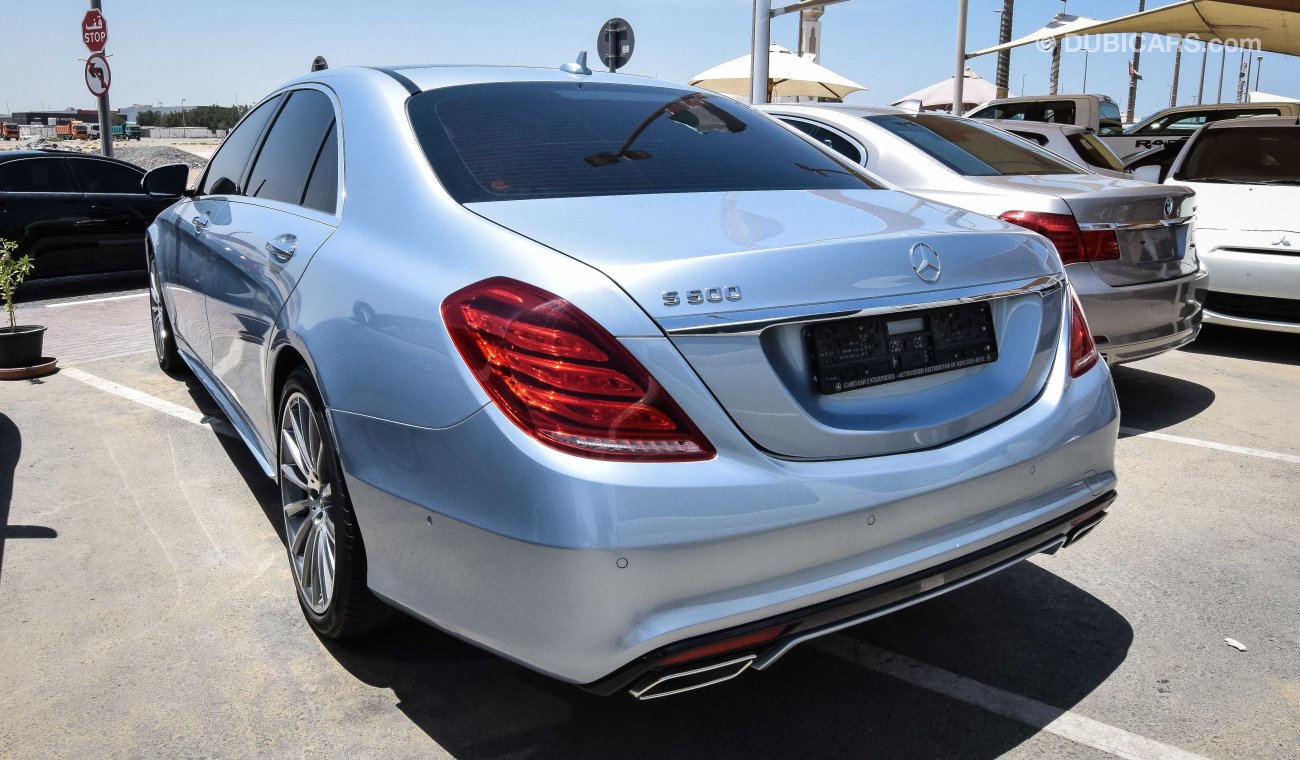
(1175, 125)
(620, 403)
(1078, 145)
(1126, 244)
(1096, 112)
(75, 213)
(1246, 174)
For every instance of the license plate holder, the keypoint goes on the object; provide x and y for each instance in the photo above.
(862, 352)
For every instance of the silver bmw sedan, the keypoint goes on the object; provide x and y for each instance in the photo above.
(621, 380)
(1128, 246)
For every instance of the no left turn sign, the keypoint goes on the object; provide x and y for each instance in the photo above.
(98, 76)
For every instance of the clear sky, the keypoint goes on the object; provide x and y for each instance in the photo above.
(231, 51)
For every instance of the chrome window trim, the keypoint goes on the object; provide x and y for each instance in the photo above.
(754, 322)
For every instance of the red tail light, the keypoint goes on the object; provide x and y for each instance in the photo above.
(563, 379)
(744, 641)
(1072, 243)
(1083, 350)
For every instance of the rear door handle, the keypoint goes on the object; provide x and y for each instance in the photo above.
(201, 222)
(283, 246)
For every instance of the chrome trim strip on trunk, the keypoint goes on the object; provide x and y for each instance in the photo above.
(754, 322)
(1121, 226)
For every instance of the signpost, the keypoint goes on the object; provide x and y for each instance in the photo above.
(94, 33)
(615, 43)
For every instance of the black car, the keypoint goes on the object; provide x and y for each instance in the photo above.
(75, 213)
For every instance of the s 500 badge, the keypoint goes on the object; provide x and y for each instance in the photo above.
(706, 295)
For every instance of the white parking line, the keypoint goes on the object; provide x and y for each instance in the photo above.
(1261, 453)
(191, 416)
(94, 300)
(1063, 723)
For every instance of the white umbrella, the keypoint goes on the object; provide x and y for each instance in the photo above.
(938, 96)
(788, 74)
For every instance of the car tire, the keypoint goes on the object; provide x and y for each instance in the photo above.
(164, 340)
(326, 554)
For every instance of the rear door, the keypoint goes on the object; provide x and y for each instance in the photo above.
(267, 234)
(42, 208)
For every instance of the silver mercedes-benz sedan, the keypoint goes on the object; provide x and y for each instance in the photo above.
(621, 380)
(1128, 246)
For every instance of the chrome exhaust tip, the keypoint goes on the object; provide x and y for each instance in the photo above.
(1079, 531)
(688, 680)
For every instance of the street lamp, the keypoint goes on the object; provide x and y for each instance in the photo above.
(1022, 84)
(182, 117)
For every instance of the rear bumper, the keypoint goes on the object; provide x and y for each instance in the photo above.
(1253, 287)
(813, 622)
(1139, 321)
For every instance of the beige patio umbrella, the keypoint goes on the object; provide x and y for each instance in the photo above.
(788, 74)
(938, 96)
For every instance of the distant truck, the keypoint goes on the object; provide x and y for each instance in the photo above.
(71, 129)
(1096, 112)
(127, 131)
(9, 131)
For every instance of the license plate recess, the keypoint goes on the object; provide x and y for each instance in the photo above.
(860, 352)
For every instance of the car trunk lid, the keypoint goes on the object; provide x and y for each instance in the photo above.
(738, 281)
(1152, 223)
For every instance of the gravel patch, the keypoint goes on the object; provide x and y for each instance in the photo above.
(153, 156)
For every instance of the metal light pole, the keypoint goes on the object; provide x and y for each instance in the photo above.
(1085, 70)
(105, 118)
(1259, 66)
(1200, 90)
(759, 51)
(1245, 98)
(1022, 84)
(959, 79)
(182, 117)
(1223, 61)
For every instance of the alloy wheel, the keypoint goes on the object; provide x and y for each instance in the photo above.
(307, 494)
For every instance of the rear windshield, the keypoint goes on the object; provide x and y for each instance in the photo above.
(1094, 152)
(514, 141)
(972, 149)
(1269, 155)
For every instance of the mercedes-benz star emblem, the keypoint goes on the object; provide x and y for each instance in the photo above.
(1169, 207)
(926, 262)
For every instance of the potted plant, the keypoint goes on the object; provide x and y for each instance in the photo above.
(20, 345)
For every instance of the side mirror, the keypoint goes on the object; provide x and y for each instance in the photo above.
(1150, 173)
(166, 181)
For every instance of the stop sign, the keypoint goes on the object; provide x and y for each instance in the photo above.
(94, 31)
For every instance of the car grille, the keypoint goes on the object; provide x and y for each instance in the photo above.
(1254, 307)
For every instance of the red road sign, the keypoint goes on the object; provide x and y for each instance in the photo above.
(94, 31)
(98, 77)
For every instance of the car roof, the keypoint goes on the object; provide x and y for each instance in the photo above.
(419, 78)
(1255, 121)
(1032, 98)
(1036, 126)
(852, 109)
(11, 155)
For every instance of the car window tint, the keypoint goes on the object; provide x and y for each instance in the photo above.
(1032, 137)
(1243, 113)
(1181, 123)
(1059, 112)
(232, 157)
(323, 185)
(1093, 151)
(281, 169)
(36, 175)
(1054, 111)
(106, 177)
(508, 141)
(971, 148)
(1111, 123)
(828, 137)
(1254, 154)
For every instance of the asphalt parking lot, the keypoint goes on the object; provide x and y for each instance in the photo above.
(146, 607)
